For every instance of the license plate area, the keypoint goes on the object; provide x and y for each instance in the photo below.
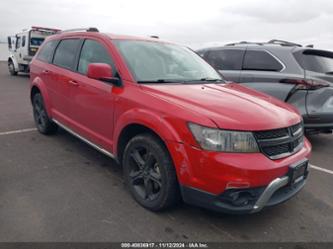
(298, 172)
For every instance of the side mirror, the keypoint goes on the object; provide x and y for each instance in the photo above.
(103, 72)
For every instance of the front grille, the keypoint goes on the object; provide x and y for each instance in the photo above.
(282, 142)
(33, 51)
(272, 133)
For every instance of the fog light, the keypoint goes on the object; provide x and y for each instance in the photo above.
(241, 197)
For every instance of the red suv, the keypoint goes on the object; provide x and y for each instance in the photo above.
(178, 130)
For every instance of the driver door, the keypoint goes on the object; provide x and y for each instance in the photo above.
(92, 100)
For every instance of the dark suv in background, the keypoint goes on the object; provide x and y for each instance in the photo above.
(301, 76)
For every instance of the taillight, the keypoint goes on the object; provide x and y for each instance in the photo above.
(308, 84)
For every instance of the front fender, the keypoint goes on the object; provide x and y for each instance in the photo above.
(38, 82)
(12, 58)
(159, 124)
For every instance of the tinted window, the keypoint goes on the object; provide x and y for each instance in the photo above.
(65, 53)
(93, 52)
(261, 60)
(319, 61)
(226, 59)
(318, 64)
(46, 51)
(18, 42)
(9, 40)
(23, 41)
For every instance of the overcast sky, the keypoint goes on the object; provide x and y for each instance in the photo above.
(194, 23)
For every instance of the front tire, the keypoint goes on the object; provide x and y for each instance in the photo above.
(11, 68)
(43, 123)
(149, 173)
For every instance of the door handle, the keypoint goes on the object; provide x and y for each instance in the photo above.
(73, 83)
(45, 71)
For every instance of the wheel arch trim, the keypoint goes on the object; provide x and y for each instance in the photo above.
(15, 63)
(39, 84)
(150, 120)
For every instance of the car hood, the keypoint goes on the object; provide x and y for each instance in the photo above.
(229, 106)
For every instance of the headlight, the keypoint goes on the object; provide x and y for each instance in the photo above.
(223, 140)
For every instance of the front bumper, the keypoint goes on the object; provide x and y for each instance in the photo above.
(27, 58)
(207, 178)
(278, 191)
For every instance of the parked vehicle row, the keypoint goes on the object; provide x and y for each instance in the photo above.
(301, 76)
(167, 116)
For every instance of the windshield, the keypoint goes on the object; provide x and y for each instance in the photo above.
(36, 41)
(162, 62)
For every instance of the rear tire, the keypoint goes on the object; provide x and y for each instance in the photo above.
(11, 68)
(149, 173)
(43, 123)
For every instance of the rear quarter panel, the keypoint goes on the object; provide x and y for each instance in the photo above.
(36, 80)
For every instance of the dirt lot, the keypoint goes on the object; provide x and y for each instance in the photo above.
(59, 189)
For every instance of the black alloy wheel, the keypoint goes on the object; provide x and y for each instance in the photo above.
(149, 173)
(42, 121)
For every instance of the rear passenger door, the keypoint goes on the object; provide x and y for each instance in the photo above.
(227, 61)
(93, 101)
(61, 81)
(261, 70)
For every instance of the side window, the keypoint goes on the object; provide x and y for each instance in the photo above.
(46, 52)
(261, 60)
(226, 59)
(18, 42)
(65, 53)
(201, 53)
(23, 41)
(93, 52)
(9, 40)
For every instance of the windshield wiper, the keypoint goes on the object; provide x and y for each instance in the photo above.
(205, 80)
(160, 81)
(211, 80)
(180, 81)
(330, 72)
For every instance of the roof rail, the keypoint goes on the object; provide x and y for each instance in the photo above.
(45, 29)
(91, 29)
(274, 41)
(284, 43)
(244, 43)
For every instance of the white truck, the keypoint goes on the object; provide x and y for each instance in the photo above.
(24, 45)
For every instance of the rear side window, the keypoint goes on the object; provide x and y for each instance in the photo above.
(65, 53)
(18, 42)
(227, 59)
(261, 61)
(93, 52)
(46, 51)
(316, 61)
(23, 41)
